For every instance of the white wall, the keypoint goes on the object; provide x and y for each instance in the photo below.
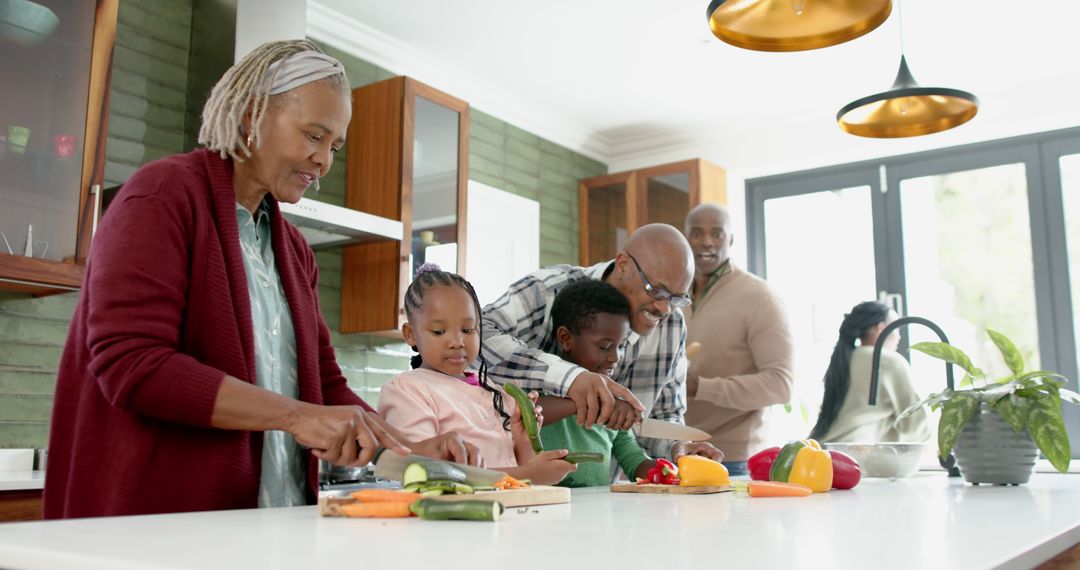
(260, 21)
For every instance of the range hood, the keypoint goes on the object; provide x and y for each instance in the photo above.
(327, 225)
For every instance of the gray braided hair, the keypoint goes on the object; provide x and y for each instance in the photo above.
(246, 87)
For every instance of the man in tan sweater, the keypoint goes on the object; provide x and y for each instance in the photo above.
(745, 361)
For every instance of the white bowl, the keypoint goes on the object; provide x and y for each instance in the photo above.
(887, 460)
(26, 23)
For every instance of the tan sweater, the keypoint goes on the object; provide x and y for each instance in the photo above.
(860, 422)
(744, 364)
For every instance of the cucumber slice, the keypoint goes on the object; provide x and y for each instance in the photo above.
(457, 510)
(432, 492)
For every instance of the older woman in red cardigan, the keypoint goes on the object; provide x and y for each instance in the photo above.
(198, 372)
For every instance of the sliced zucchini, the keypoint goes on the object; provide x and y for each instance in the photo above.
(433, 470)
(584, 457)
(458, 510)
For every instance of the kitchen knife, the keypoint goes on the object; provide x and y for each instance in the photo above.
(390, 465)
(668, 430)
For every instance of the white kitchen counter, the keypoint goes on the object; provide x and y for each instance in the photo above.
(21, 480)
(926, 521)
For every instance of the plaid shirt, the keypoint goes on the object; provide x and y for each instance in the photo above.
(519, 345)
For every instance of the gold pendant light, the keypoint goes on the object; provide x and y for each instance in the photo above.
(794, 25)
(907, 110)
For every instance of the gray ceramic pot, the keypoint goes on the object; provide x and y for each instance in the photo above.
(989, 451)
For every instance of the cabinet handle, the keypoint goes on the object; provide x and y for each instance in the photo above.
(96, 191)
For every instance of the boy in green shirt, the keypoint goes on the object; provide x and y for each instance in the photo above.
(591, 320)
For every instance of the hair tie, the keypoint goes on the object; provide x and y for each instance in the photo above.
(300, 69)
(426, 268)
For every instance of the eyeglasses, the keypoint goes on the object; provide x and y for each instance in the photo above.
(659, 293)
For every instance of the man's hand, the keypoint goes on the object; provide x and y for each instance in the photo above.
(702, 448)
(342, 435)
(691, 382)
(594, 394)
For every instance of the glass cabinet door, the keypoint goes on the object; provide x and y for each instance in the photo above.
(667, 198)
(608, 215)
(435, 186)
(45, 60)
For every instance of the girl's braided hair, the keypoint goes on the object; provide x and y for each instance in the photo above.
(429, 276)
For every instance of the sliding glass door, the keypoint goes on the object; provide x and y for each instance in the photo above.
(976, 237)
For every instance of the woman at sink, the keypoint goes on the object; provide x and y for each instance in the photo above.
(845, 414)
(198, 372)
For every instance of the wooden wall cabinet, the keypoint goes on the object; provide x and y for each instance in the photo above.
(54, 102)
(407, 159)
(612, 206)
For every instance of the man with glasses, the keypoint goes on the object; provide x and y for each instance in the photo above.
(654, 271)
(745, 362)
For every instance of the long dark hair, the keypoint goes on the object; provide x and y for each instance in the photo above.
(838, 377)
(429, 276)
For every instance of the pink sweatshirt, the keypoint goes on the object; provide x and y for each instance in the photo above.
(423, 403)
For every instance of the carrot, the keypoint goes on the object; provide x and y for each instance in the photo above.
(508, 482)
(376, 510)
(777, 489)
(384, 496)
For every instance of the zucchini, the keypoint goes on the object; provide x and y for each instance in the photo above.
(528, 414)
(433, 510)
(584, 457)
(432, 471)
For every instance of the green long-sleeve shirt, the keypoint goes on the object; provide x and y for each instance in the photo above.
(566, 434)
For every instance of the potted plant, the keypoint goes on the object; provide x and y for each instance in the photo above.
(996, 425)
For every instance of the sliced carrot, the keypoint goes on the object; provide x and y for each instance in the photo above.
(376, 510)
(508, 482)
(777, 489)
(384, 496)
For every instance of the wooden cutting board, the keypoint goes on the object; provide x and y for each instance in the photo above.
(667, 489)
(535, 495)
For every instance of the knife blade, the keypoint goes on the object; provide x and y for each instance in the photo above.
(667, 430)
(390, 465)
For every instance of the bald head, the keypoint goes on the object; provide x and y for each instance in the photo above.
(708, 229)
(667, 262)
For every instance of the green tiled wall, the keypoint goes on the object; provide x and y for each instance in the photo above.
(147, 107)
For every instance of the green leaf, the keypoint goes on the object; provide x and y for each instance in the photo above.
(805, 411)
(1013, 359)
(948, 353)
(955, 414)
(1013, 410)
(1005, 379)
(1030, 377)
(1047, 428)
(787, 408)
(966, 381)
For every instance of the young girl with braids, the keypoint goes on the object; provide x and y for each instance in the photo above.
(845, 414)
(440, 395)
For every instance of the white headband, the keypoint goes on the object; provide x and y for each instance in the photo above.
(300, 69)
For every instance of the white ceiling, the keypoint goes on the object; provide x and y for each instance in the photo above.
(637, 82)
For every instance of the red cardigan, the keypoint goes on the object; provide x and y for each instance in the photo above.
(163, 316)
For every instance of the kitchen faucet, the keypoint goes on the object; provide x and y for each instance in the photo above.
(949, 462)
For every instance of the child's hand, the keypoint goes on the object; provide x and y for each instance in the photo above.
(548, 468)
(517, 428)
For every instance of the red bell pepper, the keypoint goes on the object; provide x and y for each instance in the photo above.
(760, 463)
(846, 471)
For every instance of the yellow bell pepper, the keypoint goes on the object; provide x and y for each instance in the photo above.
(697, 471)
(804, 462)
